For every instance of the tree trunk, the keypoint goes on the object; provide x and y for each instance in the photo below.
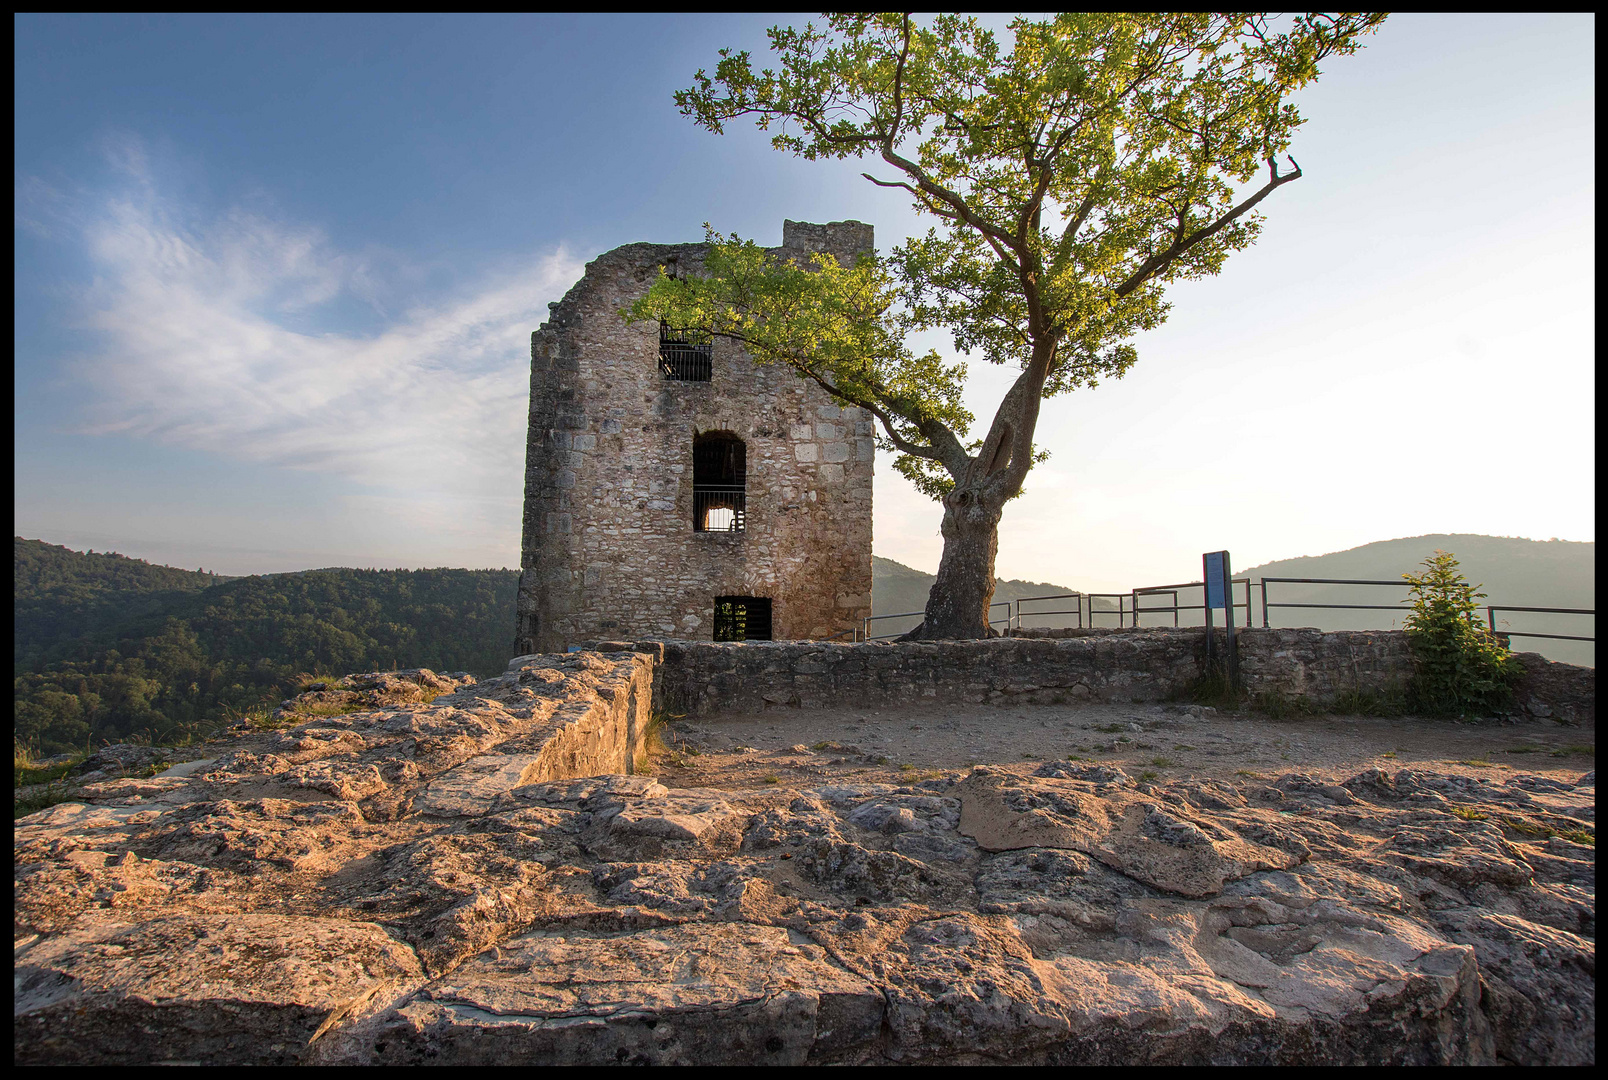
(957, 606)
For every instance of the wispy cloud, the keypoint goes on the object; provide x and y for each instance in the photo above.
(210, 339)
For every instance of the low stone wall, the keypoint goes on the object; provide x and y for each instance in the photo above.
(1563, 692)
(1058, 666)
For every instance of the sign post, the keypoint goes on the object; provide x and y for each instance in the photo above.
(1219, 579)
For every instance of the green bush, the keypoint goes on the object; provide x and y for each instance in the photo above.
(1460, 667)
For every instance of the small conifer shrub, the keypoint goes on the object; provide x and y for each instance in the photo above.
(1460, 666)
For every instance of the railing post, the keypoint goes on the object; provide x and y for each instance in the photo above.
(1264, 604)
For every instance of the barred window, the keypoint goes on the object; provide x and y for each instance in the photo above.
(685, 355)
(719, 482)
(742, 618)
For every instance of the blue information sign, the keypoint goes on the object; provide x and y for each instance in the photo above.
(1214, 579)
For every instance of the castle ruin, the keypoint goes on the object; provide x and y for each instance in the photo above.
(675, 488)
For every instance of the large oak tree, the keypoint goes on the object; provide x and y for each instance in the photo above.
(1074, 177)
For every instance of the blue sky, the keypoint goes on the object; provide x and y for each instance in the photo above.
(276, 276)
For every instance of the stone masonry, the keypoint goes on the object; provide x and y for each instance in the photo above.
(609, 547)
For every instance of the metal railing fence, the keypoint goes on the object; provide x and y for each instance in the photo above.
(866, 634)
(1128, 605)
(1175, 607)
(1075, 609)
(1492, 609)
(1329, 581)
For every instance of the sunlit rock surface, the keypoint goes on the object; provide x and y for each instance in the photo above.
(445, 881)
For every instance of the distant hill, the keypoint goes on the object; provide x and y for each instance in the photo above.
(59, 594)
(898, 588)
(108, 647)
(1512, 570)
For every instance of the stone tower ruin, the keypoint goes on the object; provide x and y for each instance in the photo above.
(676, 489)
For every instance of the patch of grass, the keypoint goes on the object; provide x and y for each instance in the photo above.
(1478, 763)
(1580, 836)
(1469, 813)
(1163, 763)
(1148, 774)
(1524, 750)
(652, 744)
(1354, 701)
(1248, 774)
(1025, 757)
(1388, 754)
(309, 680)
(1576, 750)
(1529, 828)
(1125, 739)
(258, 718)
(1110, 729)
(1276, 705)
(1214, 689)
(1074, 757)
(906, 766)
(27, 772)
(771, 779)
(1182, 746)
(824, 744)
(42, 797)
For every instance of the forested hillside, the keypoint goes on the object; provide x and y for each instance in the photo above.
(109, 648)
(60, 594)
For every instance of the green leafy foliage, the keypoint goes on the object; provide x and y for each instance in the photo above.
(1460, 667)
(110, 649)
(1073, 177)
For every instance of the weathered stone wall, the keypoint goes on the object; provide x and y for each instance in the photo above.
(1062, 666)
(609, 548)
(1550, 690)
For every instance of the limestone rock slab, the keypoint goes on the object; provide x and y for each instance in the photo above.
(238, 989)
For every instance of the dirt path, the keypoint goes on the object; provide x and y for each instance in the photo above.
(1171, 741)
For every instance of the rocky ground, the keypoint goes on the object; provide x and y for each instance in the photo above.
(924, 886)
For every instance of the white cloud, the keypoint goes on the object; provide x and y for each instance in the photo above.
(209, 340)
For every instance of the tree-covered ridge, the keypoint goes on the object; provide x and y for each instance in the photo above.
(110, 648)
(59, 594)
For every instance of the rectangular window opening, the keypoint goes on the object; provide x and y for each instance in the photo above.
(719, 483)
(742, 618)
(685, 355)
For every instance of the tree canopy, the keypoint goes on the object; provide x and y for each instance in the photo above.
(1075, 176)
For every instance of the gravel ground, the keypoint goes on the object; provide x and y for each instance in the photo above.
(1171, 741)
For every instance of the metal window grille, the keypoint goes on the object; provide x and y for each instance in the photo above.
(684, 355)
(742, 618)
(719, 484)
(718, 508)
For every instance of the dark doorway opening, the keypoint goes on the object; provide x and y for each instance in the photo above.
(742, 618)
(719, 482)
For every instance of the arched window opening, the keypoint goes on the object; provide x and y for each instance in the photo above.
(742, 618)
(719, 482)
